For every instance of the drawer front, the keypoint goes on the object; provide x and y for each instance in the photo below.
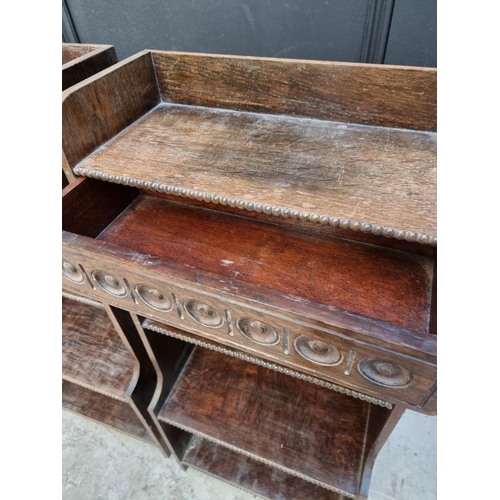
(269, 334)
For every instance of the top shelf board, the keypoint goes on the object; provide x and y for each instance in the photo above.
(346, 145)
(328, 168)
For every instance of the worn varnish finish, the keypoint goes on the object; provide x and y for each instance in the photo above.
(268, 415)
(330, 272)
(93, 354)
(371, 94)
(251, 475)
(79, 61)
(332, 169)
(386, 344)
(97, 109)
(272, 226)
(337, 174)
(102, 409)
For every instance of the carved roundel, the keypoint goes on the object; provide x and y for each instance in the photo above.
(257, 331)
(385, 373)
(203, 314)
(109, 283)
(154, 298)
(71, 272)
(317, 351)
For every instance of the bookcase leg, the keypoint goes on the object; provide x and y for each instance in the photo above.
(384, 425)
(144, 382)
(167, 356)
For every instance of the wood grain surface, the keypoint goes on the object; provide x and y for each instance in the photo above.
(97, 109)
(391, 96)
(371, 175)
(291, 423)
(71, 51)
(251, 475)
(93, 354)
(337, 273)
(81, 61)
(102, 409)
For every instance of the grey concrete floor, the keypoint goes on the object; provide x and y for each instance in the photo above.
(102, 464)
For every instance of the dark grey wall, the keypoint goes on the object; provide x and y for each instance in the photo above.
(412, 39)
(334, 30)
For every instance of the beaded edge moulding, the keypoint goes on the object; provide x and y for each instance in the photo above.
(325, 220)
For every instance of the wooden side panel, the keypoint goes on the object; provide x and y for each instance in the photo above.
(96, 110)
(89, 206)
(72, 51)
(367, 94)
(77, 69)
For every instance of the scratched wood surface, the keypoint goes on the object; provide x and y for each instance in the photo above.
(93, 354)
(102, 409)
(290, 422)
(251, 475)
(80, 61)
(373, 175)
(375, 282)
(371, 94)
(71, 51)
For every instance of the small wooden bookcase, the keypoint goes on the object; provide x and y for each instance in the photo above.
(263, 233)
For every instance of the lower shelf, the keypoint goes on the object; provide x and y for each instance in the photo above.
(294, 426)
(103, 409)
(251, 475)
(93, 354)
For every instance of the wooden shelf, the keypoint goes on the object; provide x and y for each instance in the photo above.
(328, 168)
(251, 475)
(295, 426)
(319, 145)
(93, 354)
(102, 409)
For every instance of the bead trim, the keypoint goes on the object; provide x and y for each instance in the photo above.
(266, 364)
(353, 225)
(83, 300)
(260, 459)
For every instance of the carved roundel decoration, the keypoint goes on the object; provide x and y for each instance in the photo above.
(317, 351)
(154, 298)
(203, 314)
(257, 331)
(385, 373)
(109, 283)
(71, 272)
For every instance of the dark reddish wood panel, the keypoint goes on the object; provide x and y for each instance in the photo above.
(291, 423)
(93, 355)
(374, 282)
(116, 414)
(252, 475)
(89, 205)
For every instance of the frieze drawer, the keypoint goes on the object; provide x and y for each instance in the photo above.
(269, 334)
